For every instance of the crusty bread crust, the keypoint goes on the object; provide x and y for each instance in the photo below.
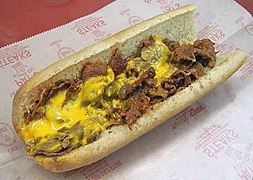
(177, 25)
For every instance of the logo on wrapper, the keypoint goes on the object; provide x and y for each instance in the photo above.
(88, 25)
(98, 170)
(22, 73)
(132, 19)
(64, 52)
(100, 35)
(214, 139)
(241, 161)
(7, 136)
(213, 32)
(186, 115)
(162, 2)
(135, 20)
(240, 21)
(166, 6)
(14, 54)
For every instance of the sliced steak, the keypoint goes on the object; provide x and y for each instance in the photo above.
(45, 95)
(63, 140)
(172, 45)
(94, 69)
(127, 89)
(178, 81)
(117, 62)
(134, 108)
(184, 56)
(147, 42)
(73, 88)
(205, 52)
(157, 94)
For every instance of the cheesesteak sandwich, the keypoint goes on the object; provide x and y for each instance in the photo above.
(86, 106)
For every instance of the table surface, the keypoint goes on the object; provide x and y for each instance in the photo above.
(23, 19)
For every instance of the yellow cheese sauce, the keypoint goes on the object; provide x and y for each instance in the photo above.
(83, 107)
(159, 57)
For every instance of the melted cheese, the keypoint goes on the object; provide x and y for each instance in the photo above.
(58, 117)
(159, 56)
(83, 107)
(122, 79)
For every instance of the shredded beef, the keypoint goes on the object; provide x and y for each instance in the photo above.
(44, 148)
(169, 86)
(151, 82)
(147, 42)
(34, 114)
(117, 62)
(64, 140)
(178, 81)
(73, 88)
(138, 96)
(191, 60)
(75, 85)
(134, 108)
(132, 73)
(196, 71)
(27, 116)
(57, 87)
(172, 45)
(45, 95)
(90, 69)
(201, 51)
(143, 45)
(127, 89)
(157, 94)
(205, 52)
(184, 56)
(92, 137)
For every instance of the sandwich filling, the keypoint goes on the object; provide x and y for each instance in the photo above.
(73, 113)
